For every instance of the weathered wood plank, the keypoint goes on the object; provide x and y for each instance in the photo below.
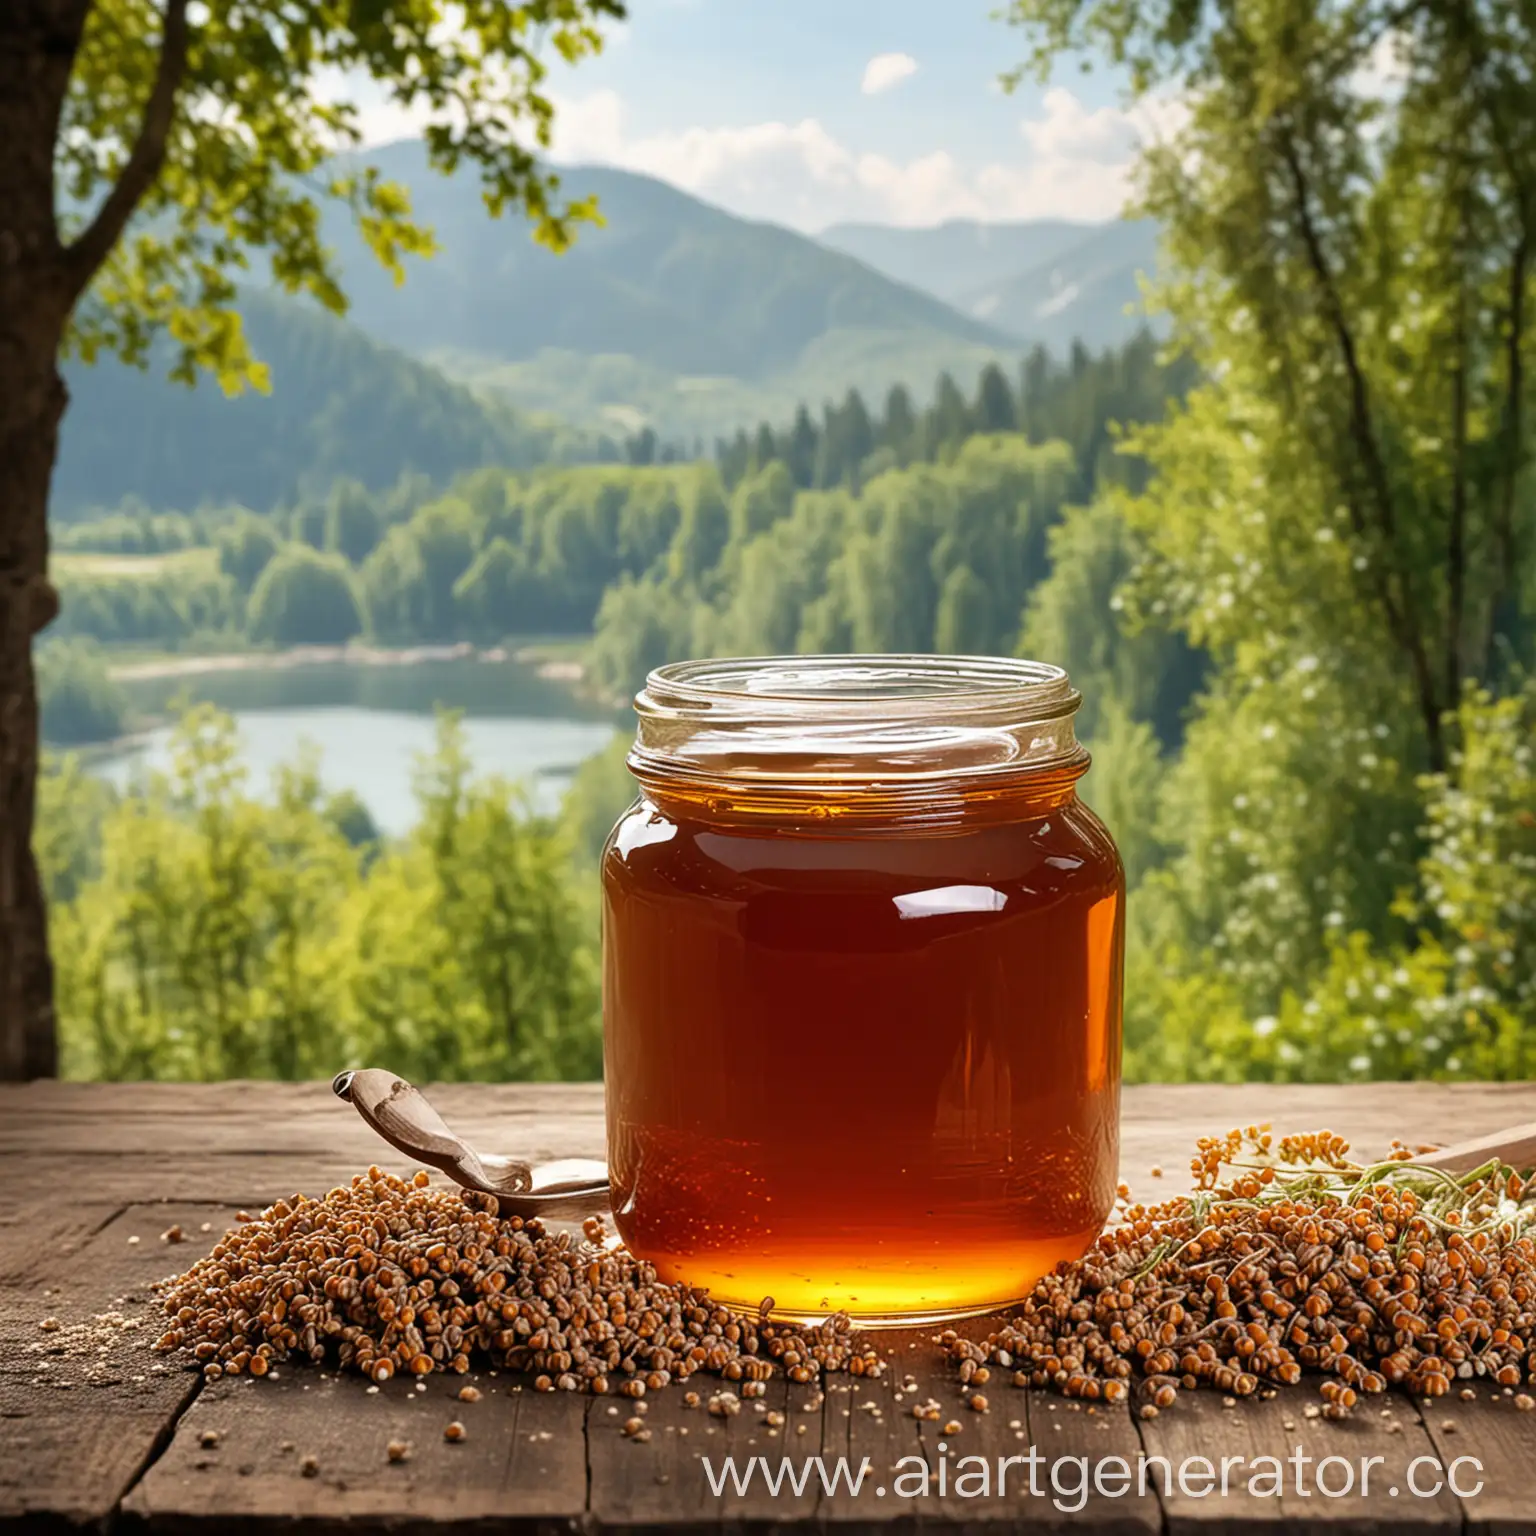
(659, 1484)
(520, 1468)
(83, 1409)
(881, 1440)
(1503, 1441)
(1280, 1493)
(73, 1153)
(249, 1142)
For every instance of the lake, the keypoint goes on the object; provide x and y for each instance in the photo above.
(370, 724)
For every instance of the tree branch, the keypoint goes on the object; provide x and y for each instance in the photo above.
(1514, 424)
(1400, 617)
(1519, 270)
(1456, 544)
(84, 256)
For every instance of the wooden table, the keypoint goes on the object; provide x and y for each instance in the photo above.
(113, 1439)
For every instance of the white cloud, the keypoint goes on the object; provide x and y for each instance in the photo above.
(885, 70)
(1073, 162)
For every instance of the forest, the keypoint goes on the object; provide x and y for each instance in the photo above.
(1283, 544)
(1311, 900)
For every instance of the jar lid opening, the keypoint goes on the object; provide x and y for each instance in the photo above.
(856, 720)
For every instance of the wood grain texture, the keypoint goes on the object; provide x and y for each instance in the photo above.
(120, 1447)
(520, 1468)
(1265, 1496)
(84, 1408)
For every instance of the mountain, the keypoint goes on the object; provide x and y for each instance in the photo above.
(953, 259)
(1045, 281)
(1080, 294)
(669, 281)
(340, 404)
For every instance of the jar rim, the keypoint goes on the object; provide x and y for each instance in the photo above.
(857, 685)
(854, 719)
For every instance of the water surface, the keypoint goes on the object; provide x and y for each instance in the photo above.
(371, 723)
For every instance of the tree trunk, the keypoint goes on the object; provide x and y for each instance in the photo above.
(37, 42)
(32, 400)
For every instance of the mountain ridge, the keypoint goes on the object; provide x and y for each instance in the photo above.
(670, 280)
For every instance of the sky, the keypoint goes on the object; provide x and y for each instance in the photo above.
(816, 112)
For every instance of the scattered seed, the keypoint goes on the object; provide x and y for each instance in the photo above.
(469, 1394)
(399, 1450)
(209, 1439)
(310, 1466)
(173, 1234)
(455, 1432)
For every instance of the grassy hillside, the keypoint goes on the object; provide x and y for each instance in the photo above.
(617, 394)
(341, 404)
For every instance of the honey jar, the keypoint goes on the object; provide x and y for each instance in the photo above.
(862, 954)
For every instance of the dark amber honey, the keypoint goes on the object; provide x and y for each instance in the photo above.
(862, 1043)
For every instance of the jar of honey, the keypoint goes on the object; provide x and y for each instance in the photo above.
(862, 952)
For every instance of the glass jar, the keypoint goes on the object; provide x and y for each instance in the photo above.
(862, 951)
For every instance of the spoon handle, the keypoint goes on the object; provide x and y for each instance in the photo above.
(1515, 1145)
(400, 1113)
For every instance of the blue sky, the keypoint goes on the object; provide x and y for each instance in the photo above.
(812, 112)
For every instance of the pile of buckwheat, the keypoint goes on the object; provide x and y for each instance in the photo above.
(386, 1275)
(1285, 1261)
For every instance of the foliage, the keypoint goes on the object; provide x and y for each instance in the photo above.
(1082, 402)
(1334, 516)
(80, 700)
(247, 139)
(340, 407)
(1356, 276)
(246, 547)
(225, 935)
(72, 805)
(352, 523)
(305, 598)
(599, 794)
(1076, 617)
(1451, 994)
(1124, 786)
(132, 529)
(931, 556)
(169, 603)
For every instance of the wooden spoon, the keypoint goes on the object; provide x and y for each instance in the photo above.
(1515, 1145)
(400, 1113)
